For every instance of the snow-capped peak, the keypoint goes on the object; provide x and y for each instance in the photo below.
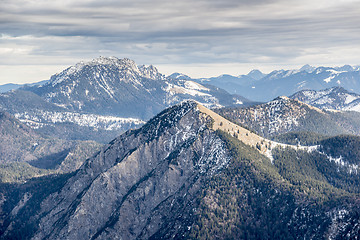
(150, 72)
(307, 68)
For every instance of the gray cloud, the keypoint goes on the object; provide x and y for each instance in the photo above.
(185, 32)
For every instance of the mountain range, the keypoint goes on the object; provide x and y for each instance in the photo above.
(180, 158)
(102, 98)
(258, 86)
(190, 173)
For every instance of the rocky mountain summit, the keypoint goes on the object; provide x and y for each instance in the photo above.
(189, 173)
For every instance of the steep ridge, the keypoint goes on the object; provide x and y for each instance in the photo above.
(163, 162)
(283, 115)
(168, 158)
(336, 98)
(180, 172)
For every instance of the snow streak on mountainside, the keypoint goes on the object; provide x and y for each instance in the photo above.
(336, 98)
(22, 148)
(39, 119)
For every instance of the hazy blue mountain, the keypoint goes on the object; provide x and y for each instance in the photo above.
(12, 86)
(257, 86)
(287, 82)
(230, 83)
(8, 87)
(307, 68)
(256, 74)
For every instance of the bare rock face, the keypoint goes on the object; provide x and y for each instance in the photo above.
(141, 184)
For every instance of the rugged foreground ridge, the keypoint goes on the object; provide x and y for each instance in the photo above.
(183, 175)
(144, 181)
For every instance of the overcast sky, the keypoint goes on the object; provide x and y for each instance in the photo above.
(200, 38)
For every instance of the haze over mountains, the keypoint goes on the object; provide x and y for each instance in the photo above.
(265, 87)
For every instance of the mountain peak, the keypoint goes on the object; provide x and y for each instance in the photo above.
(166, 160)
(346, 68)
(125, 66)
(256, 74)
(307, 68)
(150, 72)
(179, 76)
(125, 62)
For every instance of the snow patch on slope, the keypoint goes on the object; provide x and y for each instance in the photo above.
(42, 118)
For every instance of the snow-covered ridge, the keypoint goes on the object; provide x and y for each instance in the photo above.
(263, 145)
(335, 98)
(109, 123)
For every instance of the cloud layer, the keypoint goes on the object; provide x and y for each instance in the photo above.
(188, 34)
